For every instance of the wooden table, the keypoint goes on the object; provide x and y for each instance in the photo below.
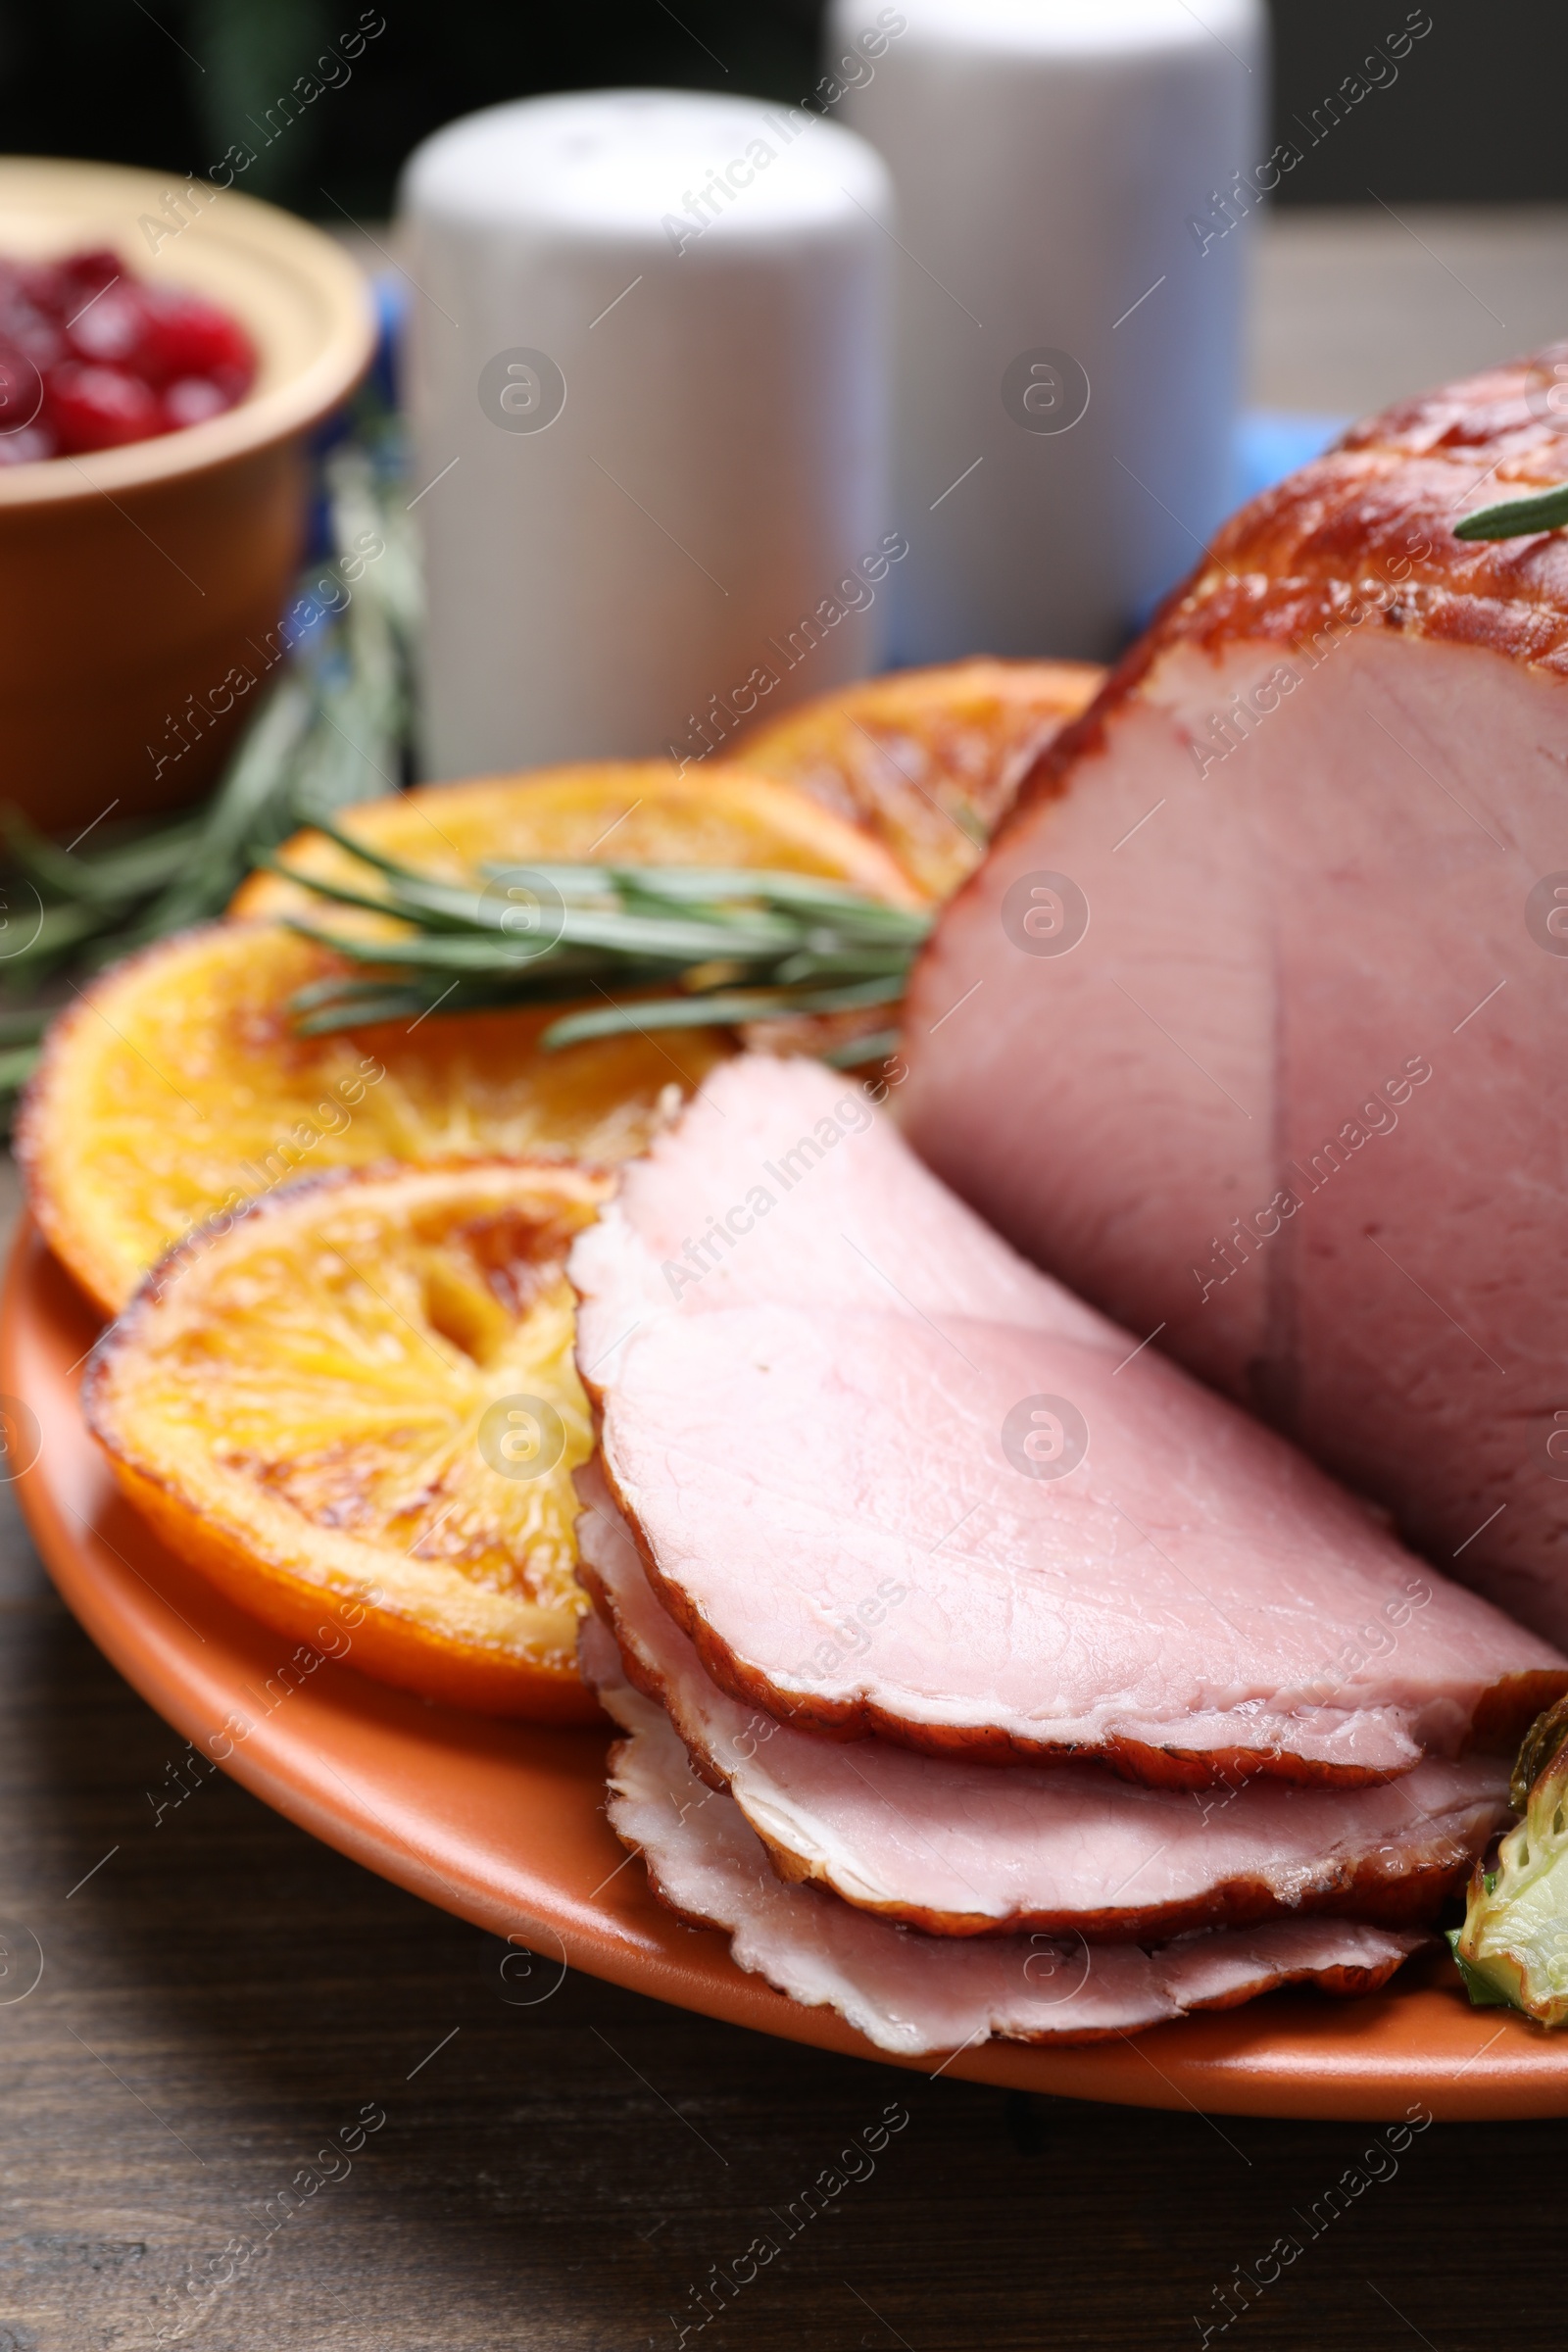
(1355, 309)
(220, 1995)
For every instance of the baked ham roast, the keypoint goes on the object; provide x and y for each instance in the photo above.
(891, 1479)
(909, 1992)
(1251, 1027)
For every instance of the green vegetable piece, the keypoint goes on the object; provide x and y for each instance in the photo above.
(1484, 1995)
(1513, 1946)
(1537, 1749)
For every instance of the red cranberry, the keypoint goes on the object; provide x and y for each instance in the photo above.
(32, 329)
(27, 447)
(91, 357)
(183, 335)
(21, 389)
(81, 275)
(39, 283)
(99, 407)
(108, 330)
(192, 400)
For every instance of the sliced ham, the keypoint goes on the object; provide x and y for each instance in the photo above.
(828, 1441)
(777, 1193)
(909, 1992)
(961, 1849)
(1251, 1027)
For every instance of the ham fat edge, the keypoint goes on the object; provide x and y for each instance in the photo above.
(1249, 1028)
(890, 1479)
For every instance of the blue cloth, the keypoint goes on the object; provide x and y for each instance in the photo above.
(1271, 443)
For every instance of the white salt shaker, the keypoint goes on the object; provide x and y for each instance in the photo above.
(649, 388)
(1073, 179)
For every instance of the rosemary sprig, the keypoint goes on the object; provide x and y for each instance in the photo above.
(665, 947)
(1513, 517)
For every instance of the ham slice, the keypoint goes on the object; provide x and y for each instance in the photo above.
(1250, 1026)
(962, 1849)
(909, 1992)
(836, 1433)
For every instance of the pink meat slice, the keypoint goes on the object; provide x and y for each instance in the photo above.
(778, 1187)
(909, 1992)
(959, 1848)
(823, 1449)
(1277, 1074)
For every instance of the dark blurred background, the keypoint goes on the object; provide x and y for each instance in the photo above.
(1475, 116)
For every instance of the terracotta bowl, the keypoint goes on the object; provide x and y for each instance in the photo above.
(141, 587)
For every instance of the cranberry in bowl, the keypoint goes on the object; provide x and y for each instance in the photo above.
(93, 355)
(164, 348)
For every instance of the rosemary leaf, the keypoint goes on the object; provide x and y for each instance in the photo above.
(342, 896)
(389, 1005)
(1513, 517)
(738, 944)
(443, 952)
(723, 1010)
(16, 1065)
(26, 1026)
(857, 1050)
(673, 939)
(108, 878)
(365, 853)
(841, 963)
(336, 989)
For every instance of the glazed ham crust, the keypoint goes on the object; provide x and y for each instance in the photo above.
(1289, 1100)
(1369, 527)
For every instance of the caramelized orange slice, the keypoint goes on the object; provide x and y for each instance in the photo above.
(928, 760)
(355, 1407)
(178, 1086)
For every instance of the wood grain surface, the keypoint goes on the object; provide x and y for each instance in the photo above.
(222, 2000)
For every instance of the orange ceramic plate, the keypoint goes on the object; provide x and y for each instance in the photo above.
(501, 1822)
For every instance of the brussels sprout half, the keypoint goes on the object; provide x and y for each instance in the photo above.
(1513, 1946)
